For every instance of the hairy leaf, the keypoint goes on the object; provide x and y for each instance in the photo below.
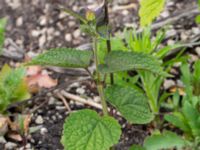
(149, 10)
(166, 140)
(63, 57)
(86, 130)
(122, 61)
(2, 32)
(131, 103)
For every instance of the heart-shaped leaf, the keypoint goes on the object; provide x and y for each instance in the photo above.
(131, 103)
(86, 130)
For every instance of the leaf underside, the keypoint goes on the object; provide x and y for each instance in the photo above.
(117, 61)
(63, 57)
(132, 104)
(86, 130)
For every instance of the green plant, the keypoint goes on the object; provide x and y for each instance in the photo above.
(186, 115)
(85, 129)
(12, 86)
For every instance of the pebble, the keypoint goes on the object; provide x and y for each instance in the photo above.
(80, 91)
(195, 30)
(10, 146)
(51, 101)
(77, 33)
(60, 107)
(2, 140)
(43, 20)
(42, 41)
(168, 84)
(43, 131)
(19, 21)
(197, 50)
(68, 37)
(39, 120)
(170, 42)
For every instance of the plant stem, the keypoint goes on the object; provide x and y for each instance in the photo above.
(99, 83)
(108, 43)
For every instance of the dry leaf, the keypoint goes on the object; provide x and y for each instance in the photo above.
(27, 120)
(15, 137)
(33, 70)
(42, 81)
(3, 125)
(180, 90)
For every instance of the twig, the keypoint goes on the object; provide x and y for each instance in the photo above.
(64, 101)
(80, 100)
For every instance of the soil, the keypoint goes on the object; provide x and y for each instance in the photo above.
(35, 25)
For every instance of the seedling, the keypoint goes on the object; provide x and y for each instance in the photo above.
(85, 129)
(13, 87)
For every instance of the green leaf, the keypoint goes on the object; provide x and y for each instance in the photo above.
(86, 130)
(192, 114)
(178, 120)
(122, 61)
(131, 103)
(12, 86)
(150, 9)
(63, 57)
(2, 32)
(136, 147)
(166, 140)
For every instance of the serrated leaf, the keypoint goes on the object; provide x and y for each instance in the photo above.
(166, 140)
(149, 10)
(131, 103)
(2, 32)
(63, 57)
(86, 130)
(117, 61)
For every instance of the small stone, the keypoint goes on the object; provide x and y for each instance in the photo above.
(10, 146)
(180, 83)
(35, 33)
(19, 21)
(54, 118)
(43, 20)
(165, 14)
(197, 50)
(170, 42)
(60, 107)
(43, 131)
(184, 36)
(42, 41)
(68, 37)
(171, 33)
(80, 91)
(195, 30)
(52, 101)
(2, 140)
(168, 84)
(28, 146)
(97, 99)
(77, 33)
(39, 120)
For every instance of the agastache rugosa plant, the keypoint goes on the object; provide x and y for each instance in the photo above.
(85, 129)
